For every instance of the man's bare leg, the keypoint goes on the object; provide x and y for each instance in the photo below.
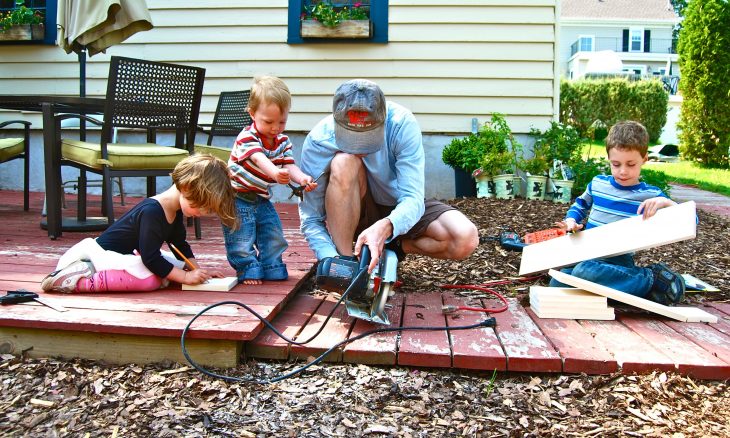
(342, 202)
(450, 236)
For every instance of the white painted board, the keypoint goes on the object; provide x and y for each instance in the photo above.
(668, 225)
(214, 284)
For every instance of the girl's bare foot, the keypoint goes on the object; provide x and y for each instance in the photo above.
(252, 281)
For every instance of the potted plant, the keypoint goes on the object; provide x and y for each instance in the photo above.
(21, 23)
(325, 20)
(562, 145)
(536, 168)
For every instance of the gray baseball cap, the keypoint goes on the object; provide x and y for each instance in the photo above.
(359, 112)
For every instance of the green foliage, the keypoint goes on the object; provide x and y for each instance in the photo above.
(331, 16)
(559, 142)
(585, 170)
(590, 103)
(488, 149)
(539, 163)
(656, 178)
(20, 15)
(704, 59)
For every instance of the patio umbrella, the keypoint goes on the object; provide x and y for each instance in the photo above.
(95, 25)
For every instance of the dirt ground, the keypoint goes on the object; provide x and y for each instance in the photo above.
(79, 398)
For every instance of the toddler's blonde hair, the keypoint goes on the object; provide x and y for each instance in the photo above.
(269, 89)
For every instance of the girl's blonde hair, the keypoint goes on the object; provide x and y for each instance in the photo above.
(204, 180)
(269, 89)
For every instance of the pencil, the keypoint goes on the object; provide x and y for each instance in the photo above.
(187, 262)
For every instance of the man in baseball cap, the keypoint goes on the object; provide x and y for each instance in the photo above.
(370, 155)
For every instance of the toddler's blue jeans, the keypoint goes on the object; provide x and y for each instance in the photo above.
(254, 250)
(618, 272)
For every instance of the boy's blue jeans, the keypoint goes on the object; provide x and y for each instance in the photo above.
(254, 250)
(618, 272)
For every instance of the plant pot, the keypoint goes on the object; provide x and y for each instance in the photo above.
(559, 190)
(484, 186)
(503, 186)
(346, 29)
(464, 184)
(23, 32)
(517, 186)
(536, 187)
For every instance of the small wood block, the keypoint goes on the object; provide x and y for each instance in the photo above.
(668, 225)
(424, 348)
(579, 351)
(632, 353)
(566, 297)
(689, 358)
(606, 314)
(216, 284)
(337, 330)
(686, 314)
(380, 348)
(269, 345)
(477, 349)
(117, 348)
(526, 347)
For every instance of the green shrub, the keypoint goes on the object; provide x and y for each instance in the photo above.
(491, 141)
(585, 170)
(591, 104)
(704, 59)
(656, 178)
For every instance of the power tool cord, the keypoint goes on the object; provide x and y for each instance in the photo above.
(484, 288)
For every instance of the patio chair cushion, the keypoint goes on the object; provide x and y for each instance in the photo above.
(11, 147)
(123, 156)
(216, 151)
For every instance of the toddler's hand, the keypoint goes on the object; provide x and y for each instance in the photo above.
(569, 225)
(196, 276)
(308, 183)
(650, 206)
(282, 176)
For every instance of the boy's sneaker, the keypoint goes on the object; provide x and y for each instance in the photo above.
(668, 287)
(64, 280)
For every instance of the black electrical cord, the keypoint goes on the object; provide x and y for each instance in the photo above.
(490, 322)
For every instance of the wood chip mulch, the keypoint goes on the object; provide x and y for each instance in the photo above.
(55, 397)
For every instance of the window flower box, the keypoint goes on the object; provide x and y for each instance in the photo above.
(346, 29)
(23, 32)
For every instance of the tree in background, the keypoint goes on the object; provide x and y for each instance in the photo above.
(704, 60)
(679, 6)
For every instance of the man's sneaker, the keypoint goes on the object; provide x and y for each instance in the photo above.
(668, 287)
(64, 280)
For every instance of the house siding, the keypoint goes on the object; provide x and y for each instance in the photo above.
(447, 61)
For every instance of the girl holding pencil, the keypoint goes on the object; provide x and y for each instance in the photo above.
(128, 255)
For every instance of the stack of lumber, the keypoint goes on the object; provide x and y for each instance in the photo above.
(569, 303)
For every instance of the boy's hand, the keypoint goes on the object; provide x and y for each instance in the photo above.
(649, 207)
(569, 225)
(282, 176)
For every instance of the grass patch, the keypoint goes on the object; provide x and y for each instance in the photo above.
(683, 172)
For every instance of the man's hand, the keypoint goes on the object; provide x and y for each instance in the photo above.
(651, 206)
(569, 225)
(374, 237)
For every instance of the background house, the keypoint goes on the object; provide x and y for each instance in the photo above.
(638, 31)
(449, 61)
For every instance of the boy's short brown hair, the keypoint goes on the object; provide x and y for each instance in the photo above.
(629, 135)
(269, 89)
(205, 181)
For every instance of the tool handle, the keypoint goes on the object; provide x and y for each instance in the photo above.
(364, 257)
(18, 296)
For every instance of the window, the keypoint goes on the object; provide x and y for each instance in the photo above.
(636, 44)
(378, 21)
(586, 43)
(47, 8)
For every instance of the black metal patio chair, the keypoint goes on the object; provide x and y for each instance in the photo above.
(229, 120)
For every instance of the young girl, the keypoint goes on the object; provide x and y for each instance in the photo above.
(127, 256)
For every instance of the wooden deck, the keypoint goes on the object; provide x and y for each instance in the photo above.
(145, 327)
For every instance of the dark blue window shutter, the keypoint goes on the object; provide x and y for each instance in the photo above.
(625, 41)
(647, 41)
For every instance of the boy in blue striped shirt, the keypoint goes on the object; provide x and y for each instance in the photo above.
(619, 196)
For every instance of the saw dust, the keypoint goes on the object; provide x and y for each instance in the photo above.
(54, 397)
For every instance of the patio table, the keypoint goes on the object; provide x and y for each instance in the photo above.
(49, 106)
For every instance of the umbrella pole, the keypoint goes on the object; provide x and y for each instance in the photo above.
(82, 88)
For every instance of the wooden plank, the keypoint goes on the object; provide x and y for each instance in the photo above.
(380, 348)
(632, 353)
(477, 349)
(668, 225)
(526, 347)
(337, 329)
(723, 319)
(117, 348)
(689, 358)
(606, 314)
(268, 345)
(424, 348)
(687, 314)
(579, 351)
(566, 297)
